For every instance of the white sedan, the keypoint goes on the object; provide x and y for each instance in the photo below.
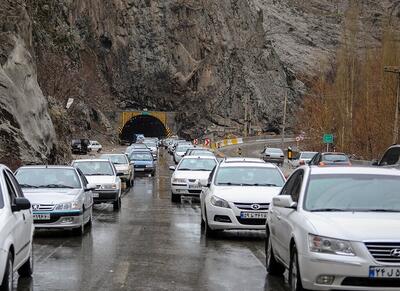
(238, 195)
(337, 229)
(16, 231)
(189, 175)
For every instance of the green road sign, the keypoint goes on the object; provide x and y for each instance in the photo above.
(328, 138)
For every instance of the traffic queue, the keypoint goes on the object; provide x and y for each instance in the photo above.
(332, 225)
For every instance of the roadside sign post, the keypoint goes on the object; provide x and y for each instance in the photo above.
(207, 142)
(327, 139)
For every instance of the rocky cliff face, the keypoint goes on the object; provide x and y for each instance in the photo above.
(26, 130)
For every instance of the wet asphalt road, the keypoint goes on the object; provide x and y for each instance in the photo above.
(151, 244)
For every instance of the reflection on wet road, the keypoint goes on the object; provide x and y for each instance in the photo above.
(151, 244)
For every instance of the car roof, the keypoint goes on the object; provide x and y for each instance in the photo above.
(333, 153)
(315, 170)
(113, 154)
(199, 157)
(91, 160)
(47, 167)
(245, 162)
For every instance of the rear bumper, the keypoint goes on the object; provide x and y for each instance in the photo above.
(144, 170)
(105, 196)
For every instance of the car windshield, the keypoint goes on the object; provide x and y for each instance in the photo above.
(139, 146)
(141, 156)
(249, 176)
(197, 165)
(274, 151)
(47, 178)
(116, 159)
(183, 148)
(307, 155)
(95, 168)
(353, 192)
(335, 158)
(201, 153)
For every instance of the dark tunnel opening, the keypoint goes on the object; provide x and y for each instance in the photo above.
(147, 125)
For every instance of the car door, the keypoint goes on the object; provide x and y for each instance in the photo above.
(275, 214)
(21, 226)
(206, 190)
(288, 216)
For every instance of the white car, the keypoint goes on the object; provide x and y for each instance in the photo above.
(60, 196)
(302, 158)
(238, 195)
(153, 148)
(16, 231)
(94, 146)
(180, 151)
(103, 174)
(189, 176)
(337, 228)
(123, 166)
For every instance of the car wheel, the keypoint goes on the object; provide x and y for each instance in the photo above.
(274, 268)
(26, 269)
(202, 223)
(207, 230)
(99, 150)
(176, 198)
(79, 231)
(117, 204)
(128, 183)
(294, 272)
(90, 221)
(8, 278)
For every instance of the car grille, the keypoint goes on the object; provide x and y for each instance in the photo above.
(251, 221)
(247, 206)
(140, 166)
(381, 251)
(192, 180)
(194, 191)
(43, 207)
(371, 282)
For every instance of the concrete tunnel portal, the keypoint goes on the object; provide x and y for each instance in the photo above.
(148, 125)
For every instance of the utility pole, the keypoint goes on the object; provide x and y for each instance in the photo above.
(395, 70)
(284, 120)
(245, 116)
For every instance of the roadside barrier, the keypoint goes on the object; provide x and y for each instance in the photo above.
(228, 142)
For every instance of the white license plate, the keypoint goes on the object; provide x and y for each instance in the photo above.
(41, 216)
(256, 215)
(96, 195)
(194, 187)
(384, 272)
(139, 169)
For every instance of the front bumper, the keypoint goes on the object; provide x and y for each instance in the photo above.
(350, 272)
(184, 190)
(144, 169)
(218, 219)
(105, 196)
(60, 219)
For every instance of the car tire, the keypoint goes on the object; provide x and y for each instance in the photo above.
(294, 272)
(274, 268)
(99, 150)
(175, 198)
(79, 231)
(90, 221)
(207, 230)
(202, 223)
(8, 279)
(26, 269)
(117, 204)
(128, 183)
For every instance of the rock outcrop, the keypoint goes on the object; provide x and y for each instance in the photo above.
(26, 130)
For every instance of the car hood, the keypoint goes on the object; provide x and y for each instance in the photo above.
(356, 226)
(50, 195)
(198, 175)
(100, 179)
(246, 194)
(122, 167)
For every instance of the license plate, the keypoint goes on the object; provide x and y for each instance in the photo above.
(96, 195)
(384, 272)
(253, 215)
(139, 169)
(41, 216)
(194, 187)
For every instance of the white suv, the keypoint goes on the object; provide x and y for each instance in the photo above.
(16, 231)
(337, 229)
(238, 194)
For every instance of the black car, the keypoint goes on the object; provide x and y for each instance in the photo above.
(80, 146)
(330, 159)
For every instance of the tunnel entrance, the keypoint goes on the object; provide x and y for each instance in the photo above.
(148, 125)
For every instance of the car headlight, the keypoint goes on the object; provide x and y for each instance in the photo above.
(111, 186)
(327, 245)
(149, 166)
(178, 180)
(219, 202)
(68, 206)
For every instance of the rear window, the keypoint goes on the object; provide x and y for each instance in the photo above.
(274, 151)
(335, 158)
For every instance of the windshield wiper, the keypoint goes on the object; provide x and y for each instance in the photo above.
(379, 210)
(184, 169)
(329, 210)
(28, 186)
(203, 170)
(55, 186)
(265, 184)
(98, 174)
(230, 184)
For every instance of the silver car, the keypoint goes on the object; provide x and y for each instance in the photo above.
(60, 196)
(273, 155)
(123, 166)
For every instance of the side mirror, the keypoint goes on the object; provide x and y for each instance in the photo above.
(284, 201)
(375, 163)
(20, 203)
(90, 187)
(172, 168)
(120, 174)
